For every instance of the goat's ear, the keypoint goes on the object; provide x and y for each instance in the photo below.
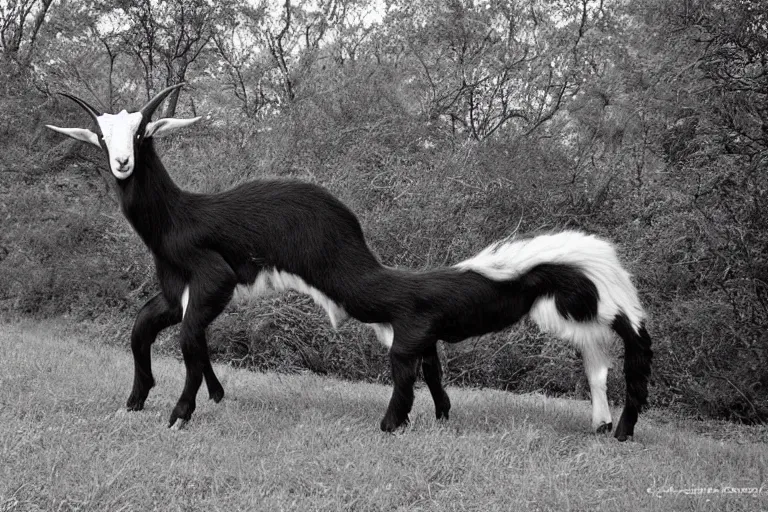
(167, 125)
(78, 133)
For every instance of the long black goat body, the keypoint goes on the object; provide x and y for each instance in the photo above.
(266, 236)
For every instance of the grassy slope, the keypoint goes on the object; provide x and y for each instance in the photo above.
(305, 442)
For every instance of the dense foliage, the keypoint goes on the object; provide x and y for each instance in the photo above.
(444, 125)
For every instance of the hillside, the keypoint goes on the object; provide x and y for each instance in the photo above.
(305, 442)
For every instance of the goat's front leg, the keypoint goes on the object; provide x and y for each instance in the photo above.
(404, 367)
(215, 389)
(194, 348)
(208, 295)
(433, 376)
(154, 316)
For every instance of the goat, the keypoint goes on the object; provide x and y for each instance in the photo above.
(264, 236)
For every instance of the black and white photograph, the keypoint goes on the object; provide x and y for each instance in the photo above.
(379, 255)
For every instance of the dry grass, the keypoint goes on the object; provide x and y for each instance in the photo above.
(310, 443)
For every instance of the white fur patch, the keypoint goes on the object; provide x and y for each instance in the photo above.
(384, 333)
(596, 364)
(509, 259)
(544, 313)
(272, 281)
(591, 339)
(184, 301)
(598, 383)
(119, 131)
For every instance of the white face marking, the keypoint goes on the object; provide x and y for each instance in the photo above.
(119, 131)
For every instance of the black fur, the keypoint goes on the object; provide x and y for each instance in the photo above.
(213, 242)
(637, 369)
(575, 294)
(453, 305)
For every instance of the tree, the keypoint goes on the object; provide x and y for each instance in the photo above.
(243, 63)
(20, 24)
(166, 38)
(485, 63)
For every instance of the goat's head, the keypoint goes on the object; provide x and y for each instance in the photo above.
(120, 135)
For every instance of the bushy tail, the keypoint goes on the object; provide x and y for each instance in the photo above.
(637, 370)
(596, 258)
(581, 290)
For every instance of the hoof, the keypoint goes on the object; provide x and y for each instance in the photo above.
(621, 436)
(623, 433)
(182, 412)
(390, 425)
(442, 407)
(216, 394)
(139, 393)
(605, 428)
(178, 424)
(134, 404)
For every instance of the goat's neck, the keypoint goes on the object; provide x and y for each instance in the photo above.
(149, 198)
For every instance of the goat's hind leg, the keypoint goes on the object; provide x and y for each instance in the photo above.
(156, 315)
(596, 363)
(637, 369)
(433, 376)
(404, 369)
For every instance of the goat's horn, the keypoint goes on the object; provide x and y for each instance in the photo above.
(148, 109)
(91, 111)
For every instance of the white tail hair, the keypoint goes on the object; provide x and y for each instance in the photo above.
(509, 259)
